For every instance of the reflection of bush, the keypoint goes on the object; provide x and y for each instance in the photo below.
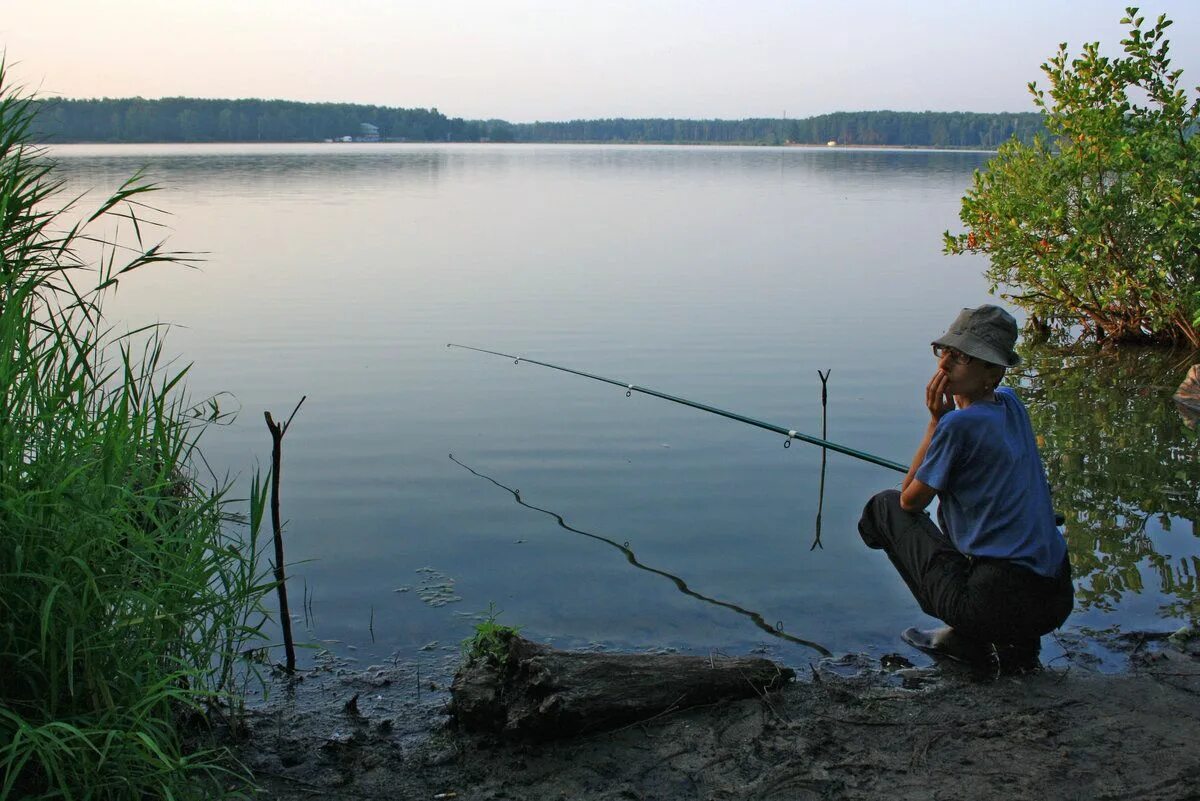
(1117, 454)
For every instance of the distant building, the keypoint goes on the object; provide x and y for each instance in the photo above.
(831, 143)
(368, 132)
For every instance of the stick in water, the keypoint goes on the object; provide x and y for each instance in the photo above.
(285, 617)
(824, 453)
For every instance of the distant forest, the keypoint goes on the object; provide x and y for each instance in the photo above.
(196, 120)
(898, 128)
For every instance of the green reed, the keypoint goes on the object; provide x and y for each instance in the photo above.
(126, 590)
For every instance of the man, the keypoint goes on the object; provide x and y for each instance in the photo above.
(997, 570)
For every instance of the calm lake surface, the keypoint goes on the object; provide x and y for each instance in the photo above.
(725, 275)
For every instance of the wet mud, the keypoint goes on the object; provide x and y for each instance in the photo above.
(851, 727)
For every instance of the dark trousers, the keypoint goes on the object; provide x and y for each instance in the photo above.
(989, 600)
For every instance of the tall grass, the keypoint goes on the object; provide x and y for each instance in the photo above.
(125, 593)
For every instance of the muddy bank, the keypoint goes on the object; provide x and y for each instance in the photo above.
(850, 729)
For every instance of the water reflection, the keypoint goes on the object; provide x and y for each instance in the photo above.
(1123, 467)
(355, 167)
(774, 631)
(270, 173)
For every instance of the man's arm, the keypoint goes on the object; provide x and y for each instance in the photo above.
(915, 495)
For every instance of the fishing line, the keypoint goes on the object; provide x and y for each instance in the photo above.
(680, 584)
(630, 389)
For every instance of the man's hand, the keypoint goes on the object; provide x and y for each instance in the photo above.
(937, 395)
(915, 495)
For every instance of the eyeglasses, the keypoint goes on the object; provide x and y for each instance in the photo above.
(957, 356)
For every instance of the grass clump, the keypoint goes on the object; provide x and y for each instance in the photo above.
(489, 643)
(125, 595)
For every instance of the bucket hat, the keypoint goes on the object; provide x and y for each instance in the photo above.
(988, 333)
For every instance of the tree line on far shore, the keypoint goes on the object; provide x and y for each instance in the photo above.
(198, 120)
(186, 119)
(881, 128)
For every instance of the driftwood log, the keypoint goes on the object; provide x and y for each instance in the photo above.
(541, 693)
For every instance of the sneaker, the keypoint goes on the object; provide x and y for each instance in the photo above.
(948, 643)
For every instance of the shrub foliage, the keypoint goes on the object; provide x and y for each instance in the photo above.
(1099, 227)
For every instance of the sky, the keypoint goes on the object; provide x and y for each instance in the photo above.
(526, 60)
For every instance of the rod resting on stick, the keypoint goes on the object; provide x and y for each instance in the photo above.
(630, 389)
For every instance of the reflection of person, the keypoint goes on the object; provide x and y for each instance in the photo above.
(996, 571)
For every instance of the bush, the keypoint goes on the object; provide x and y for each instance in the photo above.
(1100, 227)
(124, 595)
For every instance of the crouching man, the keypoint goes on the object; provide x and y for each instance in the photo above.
(996, 571)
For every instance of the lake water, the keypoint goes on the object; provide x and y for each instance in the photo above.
(725, 275)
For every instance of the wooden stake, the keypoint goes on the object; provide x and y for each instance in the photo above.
(285, 617)
(824, 453)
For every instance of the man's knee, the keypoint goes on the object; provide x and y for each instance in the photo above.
(887, 499)
(873, 524)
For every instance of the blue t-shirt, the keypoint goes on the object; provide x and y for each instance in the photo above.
(984, 462)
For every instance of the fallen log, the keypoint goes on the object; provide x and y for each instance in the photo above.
(538, 692)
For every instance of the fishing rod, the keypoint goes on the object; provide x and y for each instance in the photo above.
(791, 434)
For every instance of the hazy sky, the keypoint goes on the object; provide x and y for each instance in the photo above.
(525, 60)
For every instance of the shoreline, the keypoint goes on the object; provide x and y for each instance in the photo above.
(852, 729)
(754, 145)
